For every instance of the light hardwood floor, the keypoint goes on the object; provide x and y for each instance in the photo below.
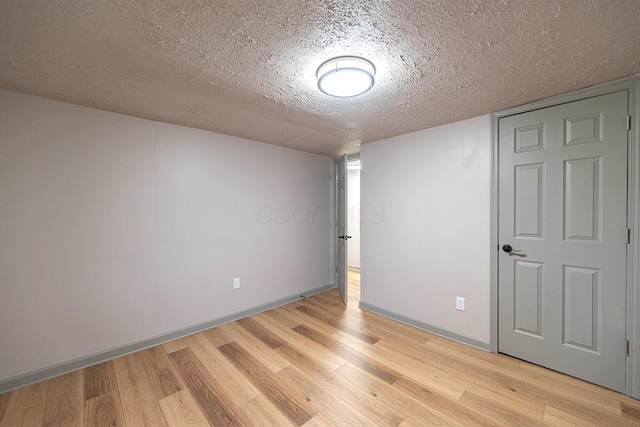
(315, 362)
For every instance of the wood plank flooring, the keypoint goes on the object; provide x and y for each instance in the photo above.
(315, 362)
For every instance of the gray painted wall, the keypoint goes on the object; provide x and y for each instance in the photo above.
(425, 226)
(353, 218)
(116, 229)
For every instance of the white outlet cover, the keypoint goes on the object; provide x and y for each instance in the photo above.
(460, 304)
(236, 283)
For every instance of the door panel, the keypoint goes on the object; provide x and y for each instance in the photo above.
(582, 180)
(528, 297)
(581, 311)
(563, 205)
(529, 194)
(341, 226)
(530, 138)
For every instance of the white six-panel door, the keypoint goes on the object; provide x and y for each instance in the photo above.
(563, 204)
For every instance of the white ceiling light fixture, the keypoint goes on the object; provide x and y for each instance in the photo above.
(346, 76)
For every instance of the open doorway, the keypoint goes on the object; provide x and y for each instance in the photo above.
(353, 226)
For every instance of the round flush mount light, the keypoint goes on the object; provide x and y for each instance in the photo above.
(346, 76)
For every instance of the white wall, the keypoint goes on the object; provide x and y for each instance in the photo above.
(353, 219)
(116, 229)
(425, 225)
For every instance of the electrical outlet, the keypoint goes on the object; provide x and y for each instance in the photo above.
(460, 304)
(236, 283)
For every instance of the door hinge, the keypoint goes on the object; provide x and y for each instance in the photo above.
(628, 236)
(628, 122)
(627, 348)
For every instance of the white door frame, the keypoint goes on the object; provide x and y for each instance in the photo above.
(631, 84)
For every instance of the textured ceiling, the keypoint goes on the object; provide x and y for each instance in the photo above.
(247, 68)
